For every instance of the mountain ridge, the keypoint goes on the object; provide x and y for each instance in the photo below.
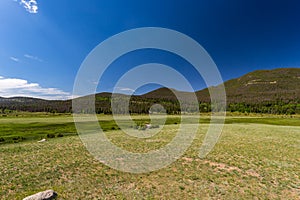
(260, 87)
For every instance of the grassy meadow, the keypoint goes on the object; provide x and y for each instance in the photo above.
(257, 157)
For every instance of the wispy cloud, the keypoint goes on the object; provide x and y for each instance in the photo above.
(11, 87)
(30, 5)
(14, 59)
(124, 89)
(33, 57)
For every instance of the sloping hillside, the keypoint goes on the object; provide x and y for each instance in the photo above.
(262, 86)
(266, 91)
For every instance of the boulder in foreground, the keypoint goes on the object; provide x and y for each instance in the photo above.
(45, 195)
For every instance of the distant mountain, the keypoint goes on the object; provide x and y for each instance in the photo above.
(160, 93)
(34, 104)
(21, 99)
(166, 94)
(267, 91)
(262, 86)
(255, 87)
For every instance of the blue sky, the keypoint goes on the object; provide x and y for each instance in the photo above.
(44, 42)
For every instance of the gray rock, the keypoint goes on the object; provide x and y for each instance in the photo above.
(45, 195)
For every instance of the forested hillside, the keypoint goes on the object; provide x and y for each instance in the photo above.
(264, 91)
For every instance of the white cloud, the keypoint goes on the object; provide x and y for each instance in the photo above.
(12, 87)
(14, 59)
(33, 57)
(124, 90)
(30, 5)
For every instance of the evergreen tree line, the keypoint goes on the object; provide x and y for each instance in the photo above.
(141, 105)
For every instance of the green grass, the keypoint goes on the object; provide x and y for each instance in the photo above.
(255, 158)
(35, 126)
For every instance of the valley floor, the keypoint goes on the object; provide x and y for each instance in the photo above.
(255, 158)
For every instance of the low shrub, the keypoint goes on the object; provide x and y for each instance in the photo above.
(17, 139)
(60, 135)
(50, 135)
